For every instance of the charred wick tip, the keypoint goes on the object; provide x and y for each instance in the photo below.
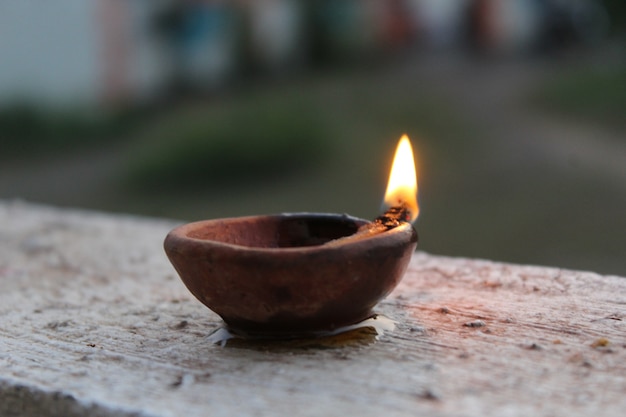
(394, 216)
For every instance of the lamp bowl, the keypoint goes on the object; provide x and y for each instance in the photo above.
(274, 275)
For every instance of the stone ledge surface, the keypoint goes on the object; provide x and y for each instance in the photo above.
(94, 321)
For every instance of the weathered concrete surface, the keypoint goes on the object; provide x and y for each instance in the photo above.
(94, 321)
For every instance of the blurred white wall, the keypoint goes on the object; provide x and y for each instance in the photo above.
(48, 50)
(75, 52)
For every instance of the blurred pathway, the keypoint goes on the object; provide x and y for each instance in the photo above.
(495, 95)
(74, 178)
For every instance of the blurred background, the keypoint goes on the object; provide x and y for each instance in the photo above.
(194, 109)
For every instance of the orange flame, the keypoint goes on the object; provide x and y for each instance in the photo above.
(402, 185)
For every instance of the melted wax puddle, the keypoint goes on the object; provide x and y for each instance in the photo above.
(365, 331)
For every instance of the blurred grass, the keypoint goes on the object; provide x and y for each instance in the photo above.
(597, 95)
(239, 145)
(27, 129)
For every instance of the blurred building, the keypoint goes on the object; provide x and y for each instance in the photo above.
(70, 52)
(520, 26)
(74, 52)
(276, 33)
(202, 39)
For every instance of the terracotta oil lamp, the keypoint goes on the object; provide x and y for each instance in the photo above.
(300, 273)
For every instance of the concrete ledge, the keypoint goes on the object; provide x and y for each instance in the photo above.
(94, 321)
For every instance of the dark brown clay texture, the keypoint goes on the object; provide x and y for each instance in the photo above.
(273, 275)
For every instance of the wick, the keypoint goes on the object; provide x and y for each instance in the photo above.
(392, 218)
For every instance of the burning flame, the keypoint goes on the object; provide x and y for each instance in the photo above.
(402, 185)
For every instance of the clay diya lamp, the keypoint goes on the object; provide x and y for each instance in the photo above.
(298, 273)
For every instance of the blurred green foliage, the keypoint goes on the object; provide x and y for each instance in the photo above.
(234, 145)
(617, 12)
(27, 129)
